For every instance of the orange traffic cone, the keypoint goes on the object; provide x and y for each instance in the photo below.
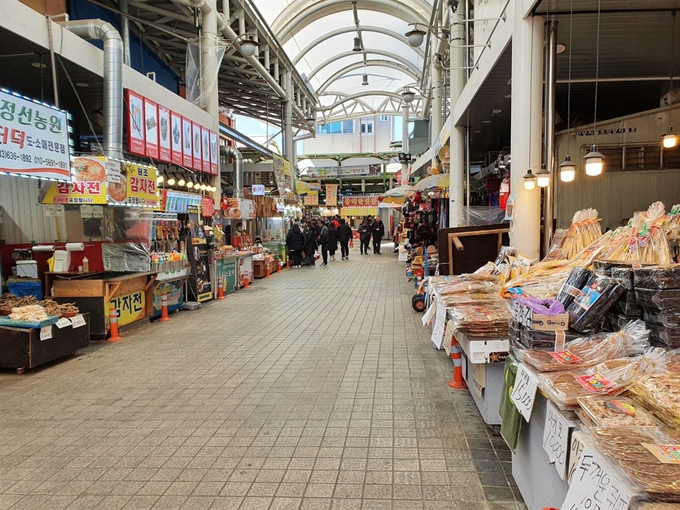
(287, 262)
(113, 326)
(247, 285)
(267, 271)
(457, 382)
(164, 309)
(220, 288)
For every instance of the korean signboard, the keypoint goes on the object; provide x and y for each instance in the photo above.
(131, 307)
(366, 201)
(178, 201)
(89, 186)
(164, 143)
(331, 194)
(176, 138)
(207, 207)
(141, 185)
(311, 198)
(151, 127)
(283, 174)
(34, 139)
(344, 171)
(135, 123)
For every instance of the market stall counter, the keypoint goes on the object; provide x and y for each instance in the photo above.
(24, 348)
(96, 293)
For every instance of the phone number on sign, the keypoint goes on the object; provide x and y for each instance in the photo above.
(27, 158)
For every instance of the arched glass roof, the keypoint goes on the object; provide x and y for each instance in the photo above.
(319, 38)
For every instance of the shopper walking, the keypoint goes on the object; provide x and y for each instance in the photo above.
(323, 241)
(344, 236)
(295, 241)
(364, 236)
(332, 239)
(311, 243)
(378, 230)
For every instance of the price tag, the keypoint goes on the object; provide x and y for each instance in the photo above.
(594, 485)
(429, 314)
(575, 451)
(45, 333)
(524, 391)
(78, 321)
(63, 322)
(439, 325)
(556, 439)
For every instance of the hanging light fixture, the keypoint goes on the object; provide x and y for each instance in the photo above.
(190, 184)
(160, 179)
(171, 181)
(594, 160)
(543, 178)
(415, 36)
(365, 80)
(529, 180)
(357, 44)
(202, 187)
(310, 122)
(670, 139)
(567, 169)
(408, 95)
(181, 182)
(248, 48)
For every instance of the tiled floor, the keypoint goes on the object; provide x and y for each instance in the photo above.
(315, 389)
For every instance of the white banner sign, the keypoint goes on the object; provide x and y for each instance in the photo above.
(524, 391)
(556, 439)
(34, 139)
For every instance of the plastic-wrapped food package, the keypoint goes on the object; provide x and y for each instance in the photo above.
(667, 336)
(489, 319)
(616, 412)
(667, 299)
(627, 305)
(608, 378)
(451, 300)
(668, 319)
(578, 277)
(556, 252)
(596, 297)
(545, 340)
(661, 481)
(585, 229)
(589, 351)
(661, 394)
(658, 277)
(624, 276)
(467, 286)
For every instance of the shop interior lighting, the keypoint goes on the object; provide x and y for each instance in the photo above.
(160, 179)
(543, 178)
(181, 182)
(567, 169)
(670, 139)
(365, 80)
(171, 181)
(202, 187)
(594, 162)
(190, 184)
(415, 36)
(529, 180)
(357, 44)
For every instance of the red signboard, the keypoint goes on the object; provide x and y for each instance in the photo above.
(151, 128)
(187, 153)
(196, 145)
(214, 154)
(176, 138)
(165, 134)
(205, 150)
(207, 207)
(368, 201)
(135, 122)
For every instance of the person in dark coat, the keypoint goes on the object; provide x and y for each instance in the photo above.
(311, 244)
(344, 236)
(295, 241)
(378, 230)
(323, 242)
(364, 236)
(332, 239)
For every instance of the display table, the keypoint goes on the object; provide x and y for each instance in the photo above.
(96, 293)
(260, 267)
(537, 480)
(483, 366)
(22, 348)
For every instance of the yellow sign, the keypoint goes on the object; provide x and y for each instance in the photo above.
(131, 307)
(283, 174)
(89, 186)
(141, 185)
(331, 194)
(312, 198)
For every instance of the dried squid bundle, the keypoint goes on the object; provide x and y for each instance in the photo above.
(584, 231)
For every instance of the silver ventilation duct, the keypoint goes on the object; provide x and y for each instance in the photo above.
(113, 78)
(238, 170)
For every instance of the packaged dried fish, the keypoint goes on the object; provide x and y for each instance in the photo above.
(658, 277)
(666, 299)
(616, 412)
(596, 297)
(578, 277)
(661, 394)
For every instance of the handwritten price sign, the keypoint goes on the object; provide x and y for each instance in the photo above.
(556, 439)
(594, 485)
(524, 392)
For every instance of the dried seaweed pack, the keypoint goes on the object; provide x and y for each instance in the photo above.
(595, 299)
(578, 277)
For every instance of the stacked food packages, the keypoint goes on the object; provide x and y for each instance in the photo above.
(657, 292)
(584, 231)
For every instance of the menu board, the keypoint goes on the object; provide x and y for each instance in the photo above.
(89, 186)
(135, 118)
(196, 144)
(205, 150)
(178, 201)
(176, 138)
(187, 153)
(164, 131)
(141, 185)
(214, 154)
(151, 127)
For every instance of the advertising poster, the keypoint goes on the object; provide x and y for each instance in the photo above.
(131, 307)
(151, 127)
(331, 194)
(164, 128)
(176, 139)
(174, 290)
(135, 123)
(312, 198)
(34, 139)
(187, 152)
(196, 144)
(226, 268)
(214, 154)
(141, 185)
(205, 150)
(283, 174)
(200, 284)
(89, 186)
(247, 209)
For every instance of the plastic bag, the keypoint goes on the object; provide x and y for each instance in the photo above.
(608, 378)
(589, 351)
(596, 297)
(668, 299)
(467, 286)
(658, 277)
(511, 420)
(573, 285)
(664, 335)
(545, 306)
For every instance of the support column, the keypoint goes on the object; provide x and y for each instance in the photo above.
(436, 117)
(525, 126)
(457, 177)
(288, 118)
(404, 135)
(209, 51)
(550, 82)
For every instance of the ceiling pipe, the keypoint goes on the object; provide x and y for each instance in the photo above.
(238, 169)
(125, 31)
(113, 78)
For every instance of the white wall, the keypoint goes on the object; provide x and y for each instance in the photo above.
(355, 142)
